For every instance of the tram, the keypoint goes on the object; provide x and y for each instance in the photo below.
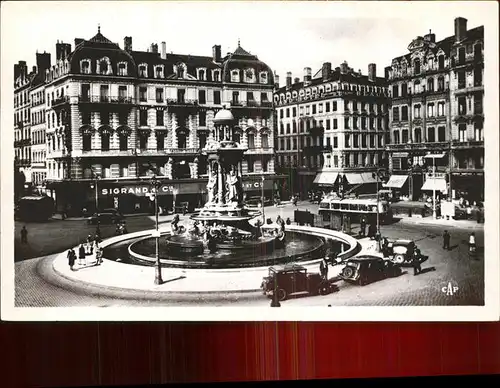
(355, 209)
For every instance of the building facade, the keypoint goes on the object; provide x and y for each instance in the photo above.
(332, 128)
(115, 117)
(437, 140)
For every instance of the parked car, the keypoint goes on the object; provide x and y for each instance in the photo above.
(106, 216)
(294, 280)
(367, 269)
(400, 251)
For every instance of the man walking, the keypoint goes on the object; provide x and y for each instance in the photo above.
(446, 240)
(24, 235)
(416, 264)
(81, 255)
(71, 258)
(472, 245)
(363, 227)
(323, 269)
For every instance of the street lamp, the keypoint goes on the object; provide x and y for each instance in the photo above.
(434, 188)
(95, 186)
(155, 184)
(376, 175)
(262, 199)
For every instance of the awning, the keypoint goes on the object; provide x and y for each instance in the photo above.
(368, 177)
(326, 178)
(435, 156)
(354, 179)
(396, 181)
(437, 184)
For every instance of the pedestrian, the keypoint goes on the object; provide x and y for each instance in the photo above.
(446, 240)
(71, 258)
(288, 221)
(89, 244)
(97, 237)
(363, 227)
(98, 255)
(385, 247)
(81, 255)
(24, 235)
(415, 260)
(472, 245)
(323, 268)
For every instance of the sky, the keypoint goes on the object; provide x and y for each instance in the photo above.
(288, 36)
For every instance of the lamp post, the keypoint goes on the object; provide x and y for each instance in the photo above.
(96, 177)
(155, 184)
(434, 188)
(262, 199)
(376, 175)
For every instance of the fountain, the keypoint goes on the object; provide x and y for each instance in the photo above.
(220, 234)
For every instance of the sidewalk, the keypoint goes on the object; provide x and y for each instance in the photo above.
(451, 223)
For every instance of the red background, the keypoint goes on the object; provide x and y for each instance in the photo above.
(113, 353)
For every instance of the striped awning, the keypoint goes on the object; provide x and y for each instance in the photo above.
(435, 184)
(327, 178)
(360, 178)
(396, 181)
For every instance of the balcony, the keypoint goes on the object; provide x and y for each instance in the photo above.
(86, 99)
(57, 154)
(60, 102)
(467, 144)
(259, 151)
(22, 143)
(469, 89)
(419, 146)
(100, 153)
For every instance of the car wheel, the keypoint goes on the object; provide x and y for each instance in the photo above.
(348, 272)
(281, 294)
(324, 289)
(398, 259)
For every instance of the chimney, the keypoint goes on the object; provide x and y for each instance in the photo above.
(326, 70)
(78, 41)
(372, 72)
(23, 69)
(430, 37)
(387, 71)
(154, 48)
(343, 68)
(127, 43)
(296, 80)
(43, 61)
(460, 29)
(307, 76)
(276, 80)
(216, 55)
(163, 50)
(62, 51)
(288, 80)
(17, 71)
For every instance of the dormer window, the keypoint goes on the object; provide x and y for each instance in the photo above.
(122, 68)
(249, 75)
(85, 67)
(263, 77)
(201, 74)
(143, 70)
(215, 75)
(104, 66)
(159, 72)
(235, 76)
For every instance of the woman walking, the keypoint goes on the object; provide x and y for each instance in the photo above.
(81, 255)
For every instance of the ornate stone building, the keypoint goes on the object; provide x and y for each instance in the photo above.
(118, 116)
(332, 128)
(437, 115)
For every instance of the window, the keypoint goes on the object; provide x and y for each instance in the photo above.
(314, 109)
(477, 52)
(287, 112)
(282, 144)
(355, 122)
(287, 128)
(251, 140)
(122, 69)
(288, 145)
(143, 117)
(395, 136)
(346, 105)
(202, 137)
(461, 79)
(478, 131)
(346, 122)
(160, 140)
(216, 97)
(294, 143)
(363, 141)
(462, 107)
(181, 139)
(85, 117)
(235, 76)
(404, 113)
(181, 94)
(142, 94)
(263, 97)
(327, 124)
(335, 142)
(430, 110)
(86, 142)
(335, 124)
(104, 96)
(478, 76)
(202, 96)
(334, 105)
(122, 93)
(431, 135)
(122, 118)
(216, 76)
(441, 62)
(282, 113)
(104, 118)
(202, 116)
(416, 110)
(201, 75)
(159, 118)
(159, 94)
(440, 111)
(143, 141)
(461, 55)
(355, 106)
(105, 141)
(416, 65)
(143, 71)
(282, 128)
(395, 114)
(123, 142)
(430, 84)
(441, 134)
(404, 136)
(327, 107)
(404, 90)
(347, 141)
(418, 135)
(478, 104)
(85, 67)
(236, 97)
(85, 92)
(294, 127)
(462, 132)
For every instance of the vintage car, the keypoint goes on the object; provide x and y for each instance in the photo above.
(294, 280)
(400, 251)
(106, 216)
(366, 269)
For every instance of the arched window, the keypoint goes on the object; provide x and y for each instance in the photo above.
(264, 137)
(159, 72)
(416, 66)
(180, 71)
(123, 141)
(396, 137)
(122, 69)
(440, 83)
(430, 84)
(86, 141)
(235, 76)
(182, 137)
(251, 139)
(201, 75)
(418, 135)
(85, 67)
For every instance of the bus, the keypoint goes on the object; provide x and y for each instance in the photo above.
(355, 209)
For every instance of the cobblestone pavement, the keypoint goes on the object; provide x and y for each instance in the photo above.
(35, 285)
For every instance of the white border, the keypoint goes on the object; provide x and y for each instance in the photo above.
(486, 11)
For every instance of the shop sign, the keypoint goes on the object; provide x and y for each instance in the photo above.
(257, 185)
(137, 190)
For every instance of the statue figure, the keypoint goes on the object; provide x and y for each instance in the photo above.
(212, 187)
(235, 189)
(174, 224)
(281, 223)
